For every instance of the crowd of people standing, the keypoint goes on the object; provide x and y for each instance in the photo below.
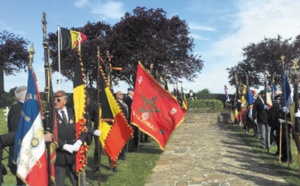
(270, 123)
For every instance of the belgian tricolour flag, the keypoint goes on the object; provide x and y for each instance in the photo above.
(114, 127)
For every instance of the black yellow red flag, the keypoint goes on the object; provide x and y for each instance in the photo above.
(114, 127)
(79, 99)
(154, 110)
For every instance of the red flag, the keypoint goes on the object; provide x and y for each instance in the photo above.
(154, 110)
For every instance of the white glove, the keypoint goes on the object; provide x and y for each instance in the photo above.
(77, 145)
(97, 132)
(68, 148)
(255, 121)
(297, 114)
(285, 110)
(266, 107)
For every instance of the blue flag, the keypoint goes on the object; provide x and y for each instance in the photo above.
(273, 87)
(250, 98)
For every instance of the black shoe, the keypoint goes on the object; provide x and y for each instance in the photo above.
(122, 156)
(284, 160)
(95, 169)
(114, 169)
(4, 171)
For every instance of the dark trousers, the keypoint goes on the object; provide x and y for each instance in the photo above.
(135, 136)
(97, 146)
(285, 145)
(62, 171)
(6, 140)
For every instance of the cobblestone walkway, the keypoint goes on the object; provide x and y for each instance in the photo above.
(206, 153)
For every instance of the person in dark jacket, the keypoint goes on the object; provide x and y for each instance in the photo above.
(260, 117)
(133, 143)
(275, 114)
(12, 125)
(92, 113)
(67, 143)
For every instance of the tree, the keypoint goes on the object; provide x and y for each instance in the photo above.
(263, 58)
(203, 91)
(13, 55)
(148, 36)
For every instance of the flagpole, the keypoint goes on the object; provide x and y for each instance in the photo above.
(31, 53)
(59, 50)
(47, 92)
(99, 115)
(284, 79)
(246, 113)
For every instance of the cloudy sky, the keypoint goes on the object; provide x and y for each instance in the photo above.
(220, 28)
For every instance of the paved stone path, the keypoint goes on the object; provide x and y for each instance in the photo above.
(206, 153)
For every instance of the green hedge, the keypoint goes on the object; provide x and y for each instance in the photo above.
(6, 99)
(205, 105)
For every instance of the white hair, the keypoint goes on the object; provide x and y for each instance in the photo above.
(20, 92)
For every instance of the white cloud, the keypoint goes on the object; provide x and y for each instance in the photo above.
(198, 37)
(109, 10)
(81, 3)
(195, 26)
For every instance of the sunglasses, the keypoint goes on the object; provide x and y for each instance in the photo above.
(57, 100)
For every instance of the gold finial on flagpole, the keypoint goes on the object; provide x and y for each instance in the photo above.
(31, 53)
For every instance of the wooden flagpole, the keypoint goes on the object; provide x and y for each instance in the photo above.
(99, 115)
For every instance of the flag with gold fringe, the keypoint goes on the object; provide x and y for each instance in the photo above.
(154, 110)
(115, 130)
(30, 148)
(79, 99)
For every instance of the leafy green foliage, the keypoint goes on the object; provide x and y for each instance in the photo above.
(7, 99)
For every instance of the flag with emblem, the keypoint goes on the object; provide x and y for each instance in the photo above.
(154, 110)
(69, 39)
(30, 149)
